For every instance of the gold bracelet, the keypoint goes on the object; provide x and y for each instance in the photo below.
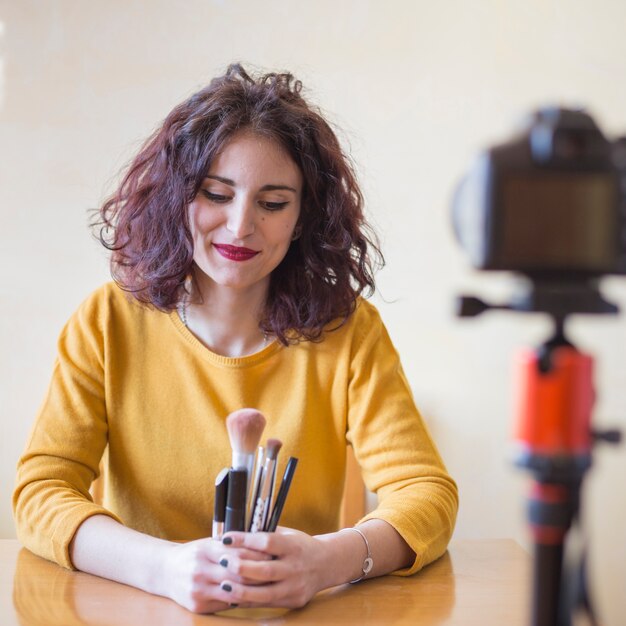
(368, 563)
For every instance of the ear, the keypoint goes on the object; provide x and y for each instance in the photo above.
(297, 231)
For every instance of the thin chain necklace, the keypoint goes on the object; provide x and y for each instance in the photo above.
(183, 317)
(183, 312)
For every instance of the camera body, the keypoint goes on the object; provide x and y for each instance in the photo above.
(550, 203)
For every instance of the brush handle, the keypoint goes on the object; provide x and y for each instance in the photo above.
(219, 507)
(245, 461)
(255, 486)
(259, 517)
(270, 497)
(236, 501)
(282, 494)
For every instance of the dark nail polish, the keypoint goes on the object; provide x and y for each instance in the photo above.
(234, 605)
(226, 587)
(227, 541)
(224, 562)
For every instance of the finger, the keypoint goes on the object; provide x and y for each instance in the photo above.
(199, 595)
(205, 572)
(251, 555)
(209, 605)
(205, 575)
(210, 598)
(275, 544)
(217, 573)
(241, 553)
(237, 555)
(256, 572)
(212, 551)
(235, 566)
(274, 594)
(206, 549)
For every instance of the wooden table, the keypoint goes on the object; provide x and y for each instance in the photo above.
(478, 582)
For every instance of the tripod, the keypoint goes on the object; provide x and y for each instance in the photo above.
(555, 439)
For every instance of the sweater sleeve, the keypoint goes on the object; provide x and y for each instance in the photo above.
(51, 497)
(398, 458)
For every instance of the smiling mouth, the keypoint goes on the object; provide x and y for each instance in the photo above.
(235, 253)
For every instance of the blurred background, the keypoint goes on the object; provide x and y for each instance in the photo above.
(415, 89)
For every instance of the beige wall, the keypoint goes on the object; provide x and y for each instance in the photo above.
(417, 87)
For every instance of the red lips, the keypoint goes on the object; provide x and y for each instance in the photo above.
(235, 253)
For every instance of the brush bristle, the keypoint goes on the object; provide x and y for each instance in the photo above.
(272, 448)
(245, 428)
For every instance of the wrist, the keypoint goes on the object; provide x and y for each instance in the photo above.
(368, 562)
(346, 556)
(159, 566)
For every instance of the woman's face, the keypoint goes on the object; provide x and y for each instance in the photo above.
(243, 218)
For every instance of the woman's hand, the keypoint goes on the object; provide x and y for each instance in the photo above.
(192, 573)
(296, 566)
(283, 569)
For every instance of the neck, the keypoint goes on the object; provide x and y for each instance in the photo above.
(227, 320)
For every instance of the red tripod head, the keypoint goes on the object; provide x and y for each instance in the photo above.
(554, 405)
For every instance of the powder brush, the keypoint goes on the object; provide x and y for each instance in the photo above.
(245, 428)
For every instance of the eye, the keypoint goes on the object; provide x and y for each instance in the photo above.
(215, 197)
(273, 206)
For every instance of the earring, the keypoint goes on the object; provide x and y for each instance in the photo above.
(188, 283)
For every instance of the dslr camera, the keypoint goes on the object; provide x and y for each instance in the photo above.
(549, 204)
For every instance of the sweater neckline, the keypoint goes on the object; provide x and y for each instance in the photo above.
(219, 359)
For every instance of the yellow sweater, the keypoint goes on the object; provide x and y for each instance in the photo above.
(136, 379)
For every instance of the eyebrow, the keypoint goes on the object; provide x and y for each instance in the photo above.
(228, 181)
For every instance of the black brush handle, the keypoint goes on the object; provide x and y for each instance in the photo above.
(282, 494)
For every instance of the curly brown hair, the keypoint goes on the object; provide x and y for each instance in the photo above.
(145, 222)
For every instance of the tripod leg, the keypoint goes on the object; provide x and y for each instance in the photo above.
(546, 582)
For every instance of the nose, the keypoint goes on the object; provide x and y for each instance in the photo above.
(241, 218)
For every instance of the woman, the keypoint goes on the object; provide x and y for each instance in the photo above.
(239, 253)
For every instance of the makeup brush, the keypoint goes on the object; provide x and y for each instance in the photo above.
(245, 428)
(282, 494)
(235, 517)
(255, 485)
(262, 505)
(219, 515)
